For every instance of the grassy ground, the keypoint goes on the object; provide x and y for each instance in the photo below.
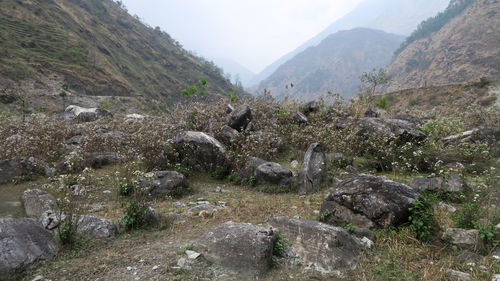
(151, 253)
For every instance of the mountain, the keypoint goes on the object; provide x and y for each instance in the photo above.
(392, 16)
(334, 65)
(459, 45)
(238, 72)
(99, 49)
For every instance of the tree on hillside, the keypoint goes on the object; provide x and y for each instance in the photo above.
(373, 79)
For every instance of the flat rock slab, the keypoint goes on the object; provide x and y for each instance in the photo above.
(37, 201)
(328, 248)
(240, 247)
(273, 173)
(454, 183)
(461, 237)
(23, 242)
(368, 201)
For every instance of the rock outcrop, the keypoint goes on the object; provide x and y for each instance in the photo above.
(368, 201)
(313, 172)
(238, 246)
(163, 183)
(22, 243)
(327, 248)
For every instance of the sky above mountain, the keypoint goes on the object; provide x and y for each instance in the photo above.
(252, 33)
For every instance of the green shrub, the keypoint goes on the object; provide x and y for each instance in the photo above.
(422, 219)
(466, 216)
(124, 188)
(280, 247)
(382, 103)
(487, 233)
(134, 216)
(67, 232)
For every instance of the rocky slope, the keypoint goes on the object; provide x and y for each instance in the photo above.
(392, 16)
(464, 49)
(335, 65)
(94, 47)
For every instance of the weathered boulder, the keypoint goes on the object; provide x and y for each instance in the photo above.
(21, 167)
(240, 117)
(328, 248)
(490, 135)
(250, 166)
(37, 201)
(163, 183)
(22, 243)
(313, 172)
(391, 129)
(453, 184)
(368, 201)
(100, 159)
(227, 134)
(82, 114)
(95, 227)
(200, 151)
(461, 237)
(238, 246)
(273, 173)
(76, 140)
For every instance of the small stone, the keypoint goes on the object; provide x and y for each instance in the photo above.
(201, 199)
(218, 189)
(106, 191)
(142, 261)
(135, 273)
(202, 203)
(156, 267)
(192, 254)
(496, 277)
(179, 205)
(38, 278)
(129, 268)
(295, 164)
(447, 207)
(367, 243)
(497, 228)
(222, 204)
(316, 212)
(181, 262)
(458, 275)
(483, 268)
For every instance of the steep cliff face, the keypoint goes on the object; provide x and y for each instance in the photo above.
(466, 48)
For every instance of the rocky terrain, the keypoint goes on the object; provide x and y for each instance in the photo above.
(253, 189)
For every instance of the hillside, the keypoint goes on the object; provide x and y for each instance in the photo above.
(334, 65)
(464, 49)
(392, 16)
(94, 47)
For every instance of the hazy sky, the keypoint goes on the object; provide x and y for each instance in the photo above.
(253, 33)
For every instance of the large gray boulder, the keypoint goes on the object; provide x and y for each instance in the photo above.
(163, 183)
(37, 201)
(328, 248)
(240, 117)
(250, 166)
(390, 129)
(313, 172)
(22, 243)
(273, 173)
(95, 227)
(454, 183)
(368, 201)
(200, 151)
(238, 246)
(22, 167)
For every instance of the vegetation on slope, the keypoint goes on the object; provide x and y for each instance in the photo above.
(432, 24)
(99, 48)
